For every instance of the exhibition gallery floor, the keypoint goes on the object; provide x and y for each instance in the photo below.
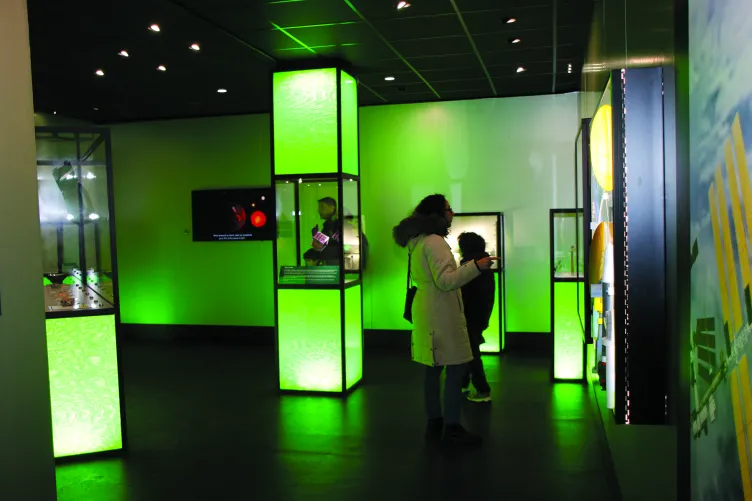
(205, 423)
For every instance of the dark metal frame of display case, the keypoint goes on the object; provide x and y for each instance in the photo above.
(583, 169)
(339, 177)
(502, 289)
(104, 135)
(639, 247)
(553, 280)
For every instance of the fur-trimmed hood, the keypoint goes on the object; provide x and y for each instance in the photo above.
(416, 225)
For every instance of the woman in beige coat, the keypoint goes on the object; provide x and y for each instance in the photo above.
(439, 337)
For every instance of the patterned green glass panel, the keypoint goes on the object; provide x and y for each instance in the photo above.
(353, 336)
(305, 122)
(309, 337)
(84, 388)
(567, 332)
(349, 97)
(492, 335)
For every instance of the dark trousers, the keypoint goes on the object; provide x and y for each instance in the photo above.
(452, 392)
(475, 371)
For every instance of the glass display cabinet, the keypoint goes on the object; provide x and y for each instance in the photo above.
(318, 250)
(627, 245)
(490, 226)
(80, 289)
(567, 271)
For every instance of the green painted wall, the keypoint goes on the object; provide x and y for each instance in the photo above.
(166, 278)
(513, 155)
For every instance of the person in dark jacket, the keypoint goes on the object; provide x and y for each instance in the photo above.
(478, 297)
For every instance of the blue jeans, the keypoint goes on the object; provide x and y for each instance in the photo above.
(452, 392)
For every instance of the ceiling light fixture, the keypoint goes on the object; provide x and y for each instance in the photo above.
(511, 20)
(123, 53)
(222, 91)
(100, 73)
(520, 69)
(569, 68)
(515, 40)
(155, 28)
(403, 5)
(195, 47)
(54, 112)
(161, 68)
(389, 79)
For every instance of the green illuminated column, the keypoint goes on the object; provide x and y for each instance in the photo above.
(567, 334)
(318, 288)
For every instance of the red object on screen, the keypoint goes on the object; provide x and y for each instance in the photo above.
(258, 219)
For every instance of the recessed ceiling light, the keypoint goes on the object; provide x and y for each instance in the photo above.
(100, 73)
(195, 47)
(96, 109)
(511, 20)
(161, 68)
(515, 40)
(155, 27)
(520, 69)
(389, 79)
(402, 5)
(123, 53)
(54, 112)
(222, 91)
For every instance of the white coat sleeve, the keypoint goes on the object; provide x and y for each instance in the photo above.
(441, 261)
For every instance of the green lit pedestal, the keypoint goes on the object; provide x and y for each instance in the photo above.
(80, 289)
(84, 386)
(318, 283)
(568, 354)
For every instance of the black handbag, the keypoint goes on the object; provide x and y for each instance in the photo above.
(410, 296)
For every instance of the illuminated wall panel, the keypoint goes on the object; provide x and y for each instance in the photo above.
(305, 122)
(349, 103)
(493, 335)
(84, 387)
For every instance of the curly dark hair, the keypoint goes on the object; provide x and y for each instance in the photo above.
(471, 244)
(432, 205)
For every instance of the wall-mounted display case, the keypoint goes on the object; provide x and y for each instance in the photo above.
(80, 289)
(626, 248)
(567, 273)
(490, 226)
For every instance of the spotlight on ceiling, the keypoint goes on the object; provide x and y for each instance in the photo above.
(195, 47)
(155, 28)
(569, 68)
(520, 69)
(222, 91)
(403, 5)
(161, 68)
(511, 20)
(389, 79)
(100, 73)
(123, 53)
(54, 112)
(515, 40)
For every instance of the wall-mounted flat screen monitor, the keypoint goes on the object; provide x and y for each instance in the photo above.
(233, 215)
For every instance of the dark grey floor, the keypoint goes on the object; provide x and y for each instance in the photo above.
(205, 423)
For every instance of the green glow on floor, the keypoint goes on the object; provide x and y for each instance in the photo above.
(305, 122)
(492, 335)
(567, 332)
(349, 98)
(84, 389)
(353, 336)
(309, 339)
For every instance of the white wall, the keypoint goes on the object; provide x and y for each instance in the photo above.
(26, 458)
(514, 155)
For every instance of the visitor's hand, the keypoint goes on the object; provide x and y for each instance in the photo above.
(485, 263)
(317, 245)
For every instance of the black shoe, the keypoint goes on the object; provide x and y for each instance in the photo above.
(434, 428)
(455, 434)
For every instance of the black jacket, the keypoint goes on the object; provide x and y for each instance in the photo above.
(478, 297)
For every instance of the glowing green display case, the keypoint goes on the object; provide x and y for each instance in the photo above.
(568, 341)
(490, 226)
(318, 252)
(80, 290)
